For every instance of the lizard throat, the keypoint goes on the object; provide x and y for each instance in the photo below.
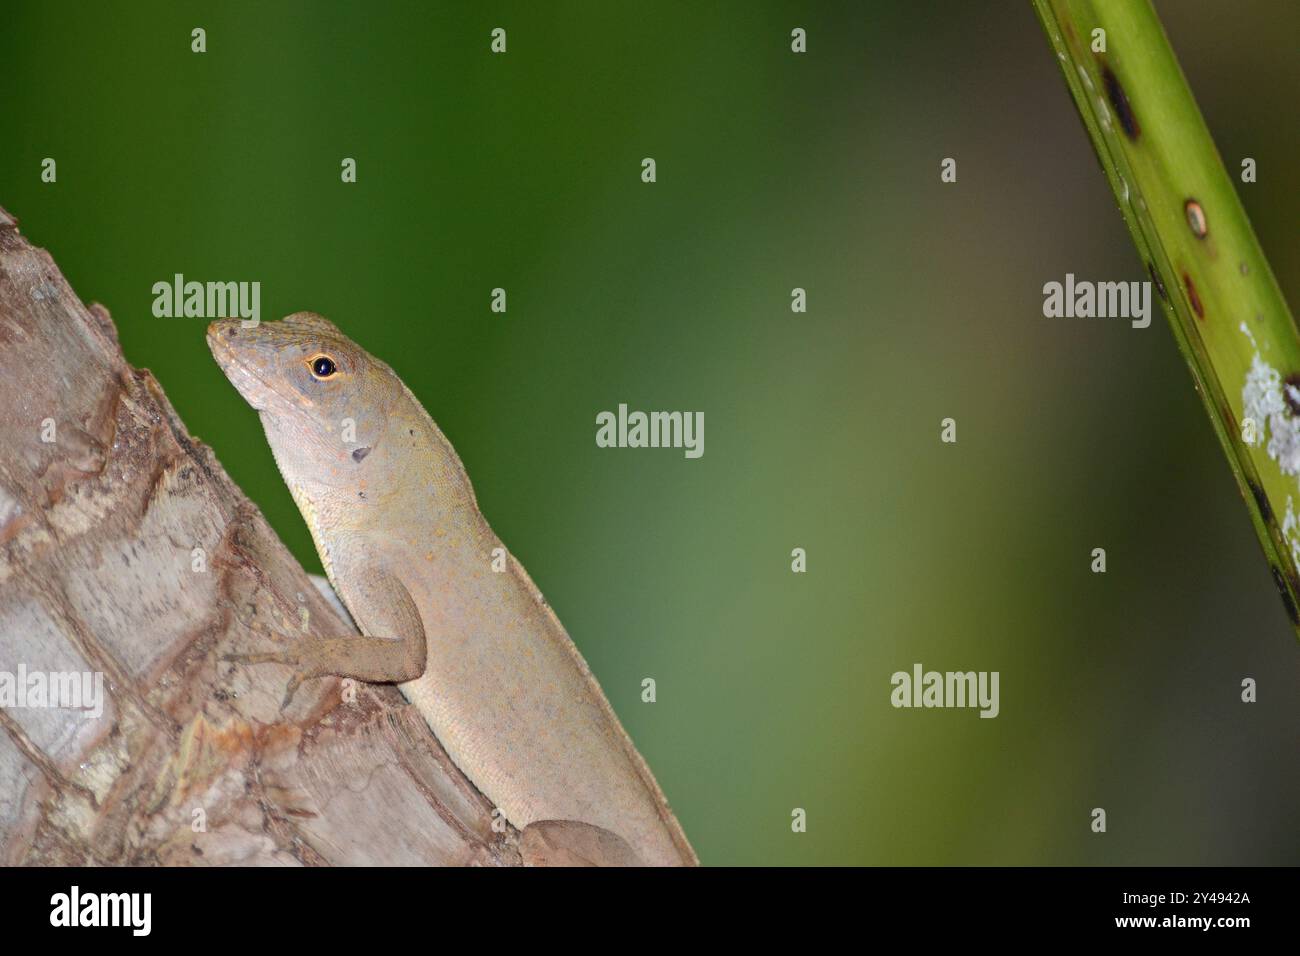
(302, 499)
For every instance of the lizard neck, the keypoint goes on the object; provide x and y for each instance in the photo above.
(399, 482)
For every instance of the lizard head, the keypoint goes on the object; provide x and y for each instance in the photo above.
(319, 394)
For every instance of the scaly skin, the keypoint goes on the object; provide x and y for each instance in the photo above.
(478, 652)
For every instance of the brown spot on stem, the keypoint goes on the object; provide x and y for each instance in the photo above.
(1261, 500)
(1192, 297)
(1287, 601)
(1119, 102)
(1159, 283)
(1196, 219)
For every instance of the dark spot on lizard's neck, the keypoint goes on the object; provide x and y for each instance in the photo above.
(360, 453)
(1119, 102)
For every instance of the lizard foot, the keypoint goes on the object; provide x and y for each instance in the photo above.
(291, 659)
(572, 843)
(371, 659)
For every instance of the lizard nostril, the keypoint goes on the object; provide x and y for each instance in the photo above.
(221, 329)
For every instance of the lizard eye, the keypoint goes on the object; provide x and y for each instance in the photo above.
(322, 366)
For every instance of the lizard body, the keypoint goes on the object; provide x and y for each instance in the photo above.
(479, 652)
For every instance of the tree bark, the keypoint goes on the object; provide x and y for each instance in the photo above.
(127, 552)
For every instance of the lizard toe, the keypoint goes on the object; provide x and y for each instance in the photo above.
(263, 657)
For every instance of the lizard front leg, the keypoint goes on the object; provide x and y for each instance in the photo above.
(381, 606)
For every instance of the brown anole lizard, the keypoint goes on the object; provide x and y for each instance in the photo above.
(446, 612)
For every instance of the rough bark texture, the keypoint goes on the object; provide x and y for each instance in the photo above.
(192, 761)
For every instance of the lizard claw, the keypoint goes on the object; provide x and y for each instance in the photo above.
(290, 689)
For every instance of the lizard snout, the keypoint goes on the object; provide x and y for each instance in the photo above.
(223, 330)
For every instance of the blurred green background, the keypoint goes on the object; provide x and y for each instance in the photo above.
(775, 170)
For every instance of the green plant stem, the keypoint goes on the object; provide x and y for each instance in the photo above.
(1223, 303)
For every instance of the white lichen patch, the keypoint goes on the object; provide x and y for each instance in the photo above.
(1264, 398)
(1291, 530)
(1245, 330)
